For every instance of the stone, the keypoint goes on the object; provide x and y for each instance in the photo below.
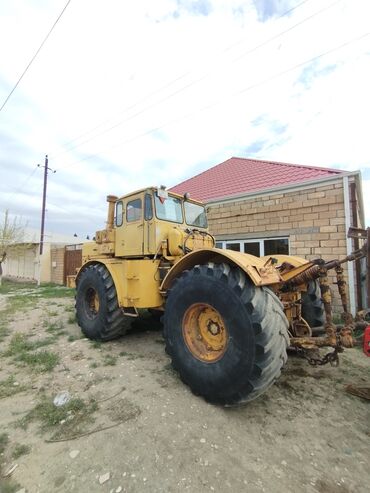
(202, 440)
(104, 478)
(119, 489)
(74, 453)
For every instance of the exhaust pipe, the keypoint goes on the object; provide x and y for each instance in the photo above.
(111, 199)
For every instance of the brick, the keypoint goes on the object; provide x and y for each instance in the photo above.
(328, 229)
(336, 220)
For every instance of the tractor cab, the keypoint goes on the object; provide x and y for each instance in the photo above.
(153, 221)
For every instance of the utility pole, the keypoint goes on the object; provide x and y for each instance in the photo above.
(46, 168)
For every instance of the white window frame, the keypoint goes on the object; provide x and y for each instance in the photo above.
(261, 242)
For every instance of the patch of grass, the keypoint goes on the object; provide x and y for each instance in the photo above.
(7, 387)
(56, 328)
(96, 344)
(94, 364)
(12, 286)
(42, 361)
(4, 332)
(6, 485)
(72, 319)
(24, 351)
(73, 337)
(18, 303)
(69, 308)
(64, 421)
(56, 291)
(20, 450)
(4, 440)
(109, 360)
(52, 314)
(19, 344)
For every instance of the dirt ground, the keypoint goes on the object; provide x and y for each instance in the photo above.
(306, 434)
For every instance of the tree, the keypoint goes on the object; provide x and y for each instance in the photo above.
(11, 233)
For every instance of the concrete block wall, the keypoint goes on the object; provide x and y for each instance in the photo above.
(57, 265)
(312, 218)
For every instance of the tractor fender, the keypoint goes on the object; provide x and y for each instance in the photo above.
(257, 269)
(114, 267)
(291, 259)
(298, 264)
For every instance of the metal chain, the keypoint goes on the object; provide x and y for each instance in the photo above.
(331, 358)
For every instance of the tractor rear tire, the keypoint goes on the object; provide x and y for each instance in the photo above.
(226, 337)
(97, 310)
(312, 305)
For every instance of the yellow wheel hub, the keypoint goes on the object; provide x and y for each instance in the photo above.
(92, 299)
(204, 332)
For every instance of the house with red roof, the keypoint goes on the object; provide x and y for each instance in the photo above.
(267, 207)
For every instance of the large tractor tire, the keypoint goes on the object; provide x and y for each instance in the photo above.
(227, 338)
(97, 309)
(312, 305)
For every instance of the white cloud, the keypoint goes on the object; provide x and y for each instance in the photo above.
(185, 88)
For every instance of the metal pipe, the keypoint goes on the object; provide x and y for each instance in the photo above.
(111, 199)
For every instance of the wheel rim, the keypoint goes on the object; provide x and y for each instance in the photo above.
(92, 303)
(204, 332)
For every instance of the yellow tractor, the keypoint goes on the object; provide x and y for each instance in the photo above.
(228, 317)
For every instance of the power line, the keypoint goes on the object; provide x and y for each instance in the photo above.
(35, 55)
(212, 105)
(169, 84)
(17, 190)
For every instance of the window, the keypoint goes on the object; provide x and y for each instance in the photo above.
(233, 246)
(148, 207)
(168, 209)
(275, 246)
(133, 210)
(253, 248)
(119, 213)
(195, 215)
(257, 247)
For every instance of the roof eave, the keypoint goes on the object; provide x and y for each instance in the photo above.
(279, 188)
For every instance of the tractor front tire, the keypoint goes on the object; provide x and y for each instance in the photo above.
(226, 337)
(97, 310)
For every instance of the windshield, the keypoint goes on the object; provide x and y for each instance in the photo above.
(168, 209)
(195, 215)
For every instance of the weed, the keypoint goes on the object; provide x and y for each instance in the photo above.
(55, 291)
(6, 485)
(94, 364)
(4, 331)
(20, 450)
(72, 337)
(42, 361)
(52, 314)
(4, 439)
(96, 344)
(56, 328)
(72, 319)
(24, 351)
(69, 308)
(19, 344)
(109, 360)
(64, 420)
(9, 387)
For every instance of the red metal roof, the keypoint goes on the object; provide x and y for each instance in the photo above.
(237, 176)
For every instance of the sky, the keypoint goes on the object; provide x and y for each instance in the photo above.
(125, 95)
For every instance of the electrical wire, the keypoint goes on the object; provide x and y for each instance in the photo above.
(17, 190)
(190, 84)
(212, 105)
(34, 56)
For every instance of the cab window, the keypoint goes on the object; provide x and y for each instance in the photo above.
(133, 210)
(148, 207)
(119, 214)
(168, 209)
